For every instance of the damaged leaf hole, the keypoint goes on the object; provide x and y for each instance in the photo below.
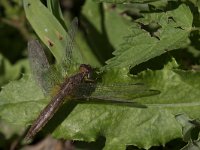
(152, 28)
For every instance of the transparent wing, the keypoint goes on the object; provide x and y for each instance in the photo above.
(38, 62)
(123, 91)
(44, 75)
(115, 93)
(67, 60)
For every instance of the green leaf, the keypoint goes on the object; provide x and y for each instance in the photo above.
(187, 125)
(192, 146)
(173, 29)
(126, 1)
(190, 131)
(86, 51)
(10, 72)
(114, 23)
(104, 30)
(55, 9)
(19, 93)
(53, 34)
(96, 31)
(156, 3)
(120, 125)
(8, 130)
(47, 27)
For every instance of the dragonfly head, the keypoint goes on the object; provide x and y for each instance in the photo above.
(87, 69)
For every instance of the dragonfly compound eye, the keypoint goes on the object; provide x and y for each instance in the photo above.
(85, 68)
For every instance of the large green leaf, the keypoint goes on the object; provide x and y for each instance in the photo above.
(139, 46)
(121, 125)
(47, 27)
(53, 34)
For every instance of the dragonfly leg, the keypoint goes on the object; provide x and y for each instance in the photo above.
(88, 80)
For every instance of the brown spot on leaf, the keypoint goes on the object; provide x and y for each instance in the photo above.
(60, 37)
(50, 43)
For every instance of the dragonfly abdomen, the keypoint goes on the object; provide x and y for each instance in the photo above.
(66, 90)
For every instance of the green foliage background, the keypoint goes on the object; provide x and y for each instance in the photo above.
(152, 42)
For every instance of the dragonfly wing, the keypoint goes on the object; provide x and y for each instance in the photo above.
(123, 91)
(72, 29)
(115, 93)
(100, 100)
(38, 63)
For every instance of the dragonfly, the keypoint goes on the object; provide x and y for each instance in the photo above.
(78, 86)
